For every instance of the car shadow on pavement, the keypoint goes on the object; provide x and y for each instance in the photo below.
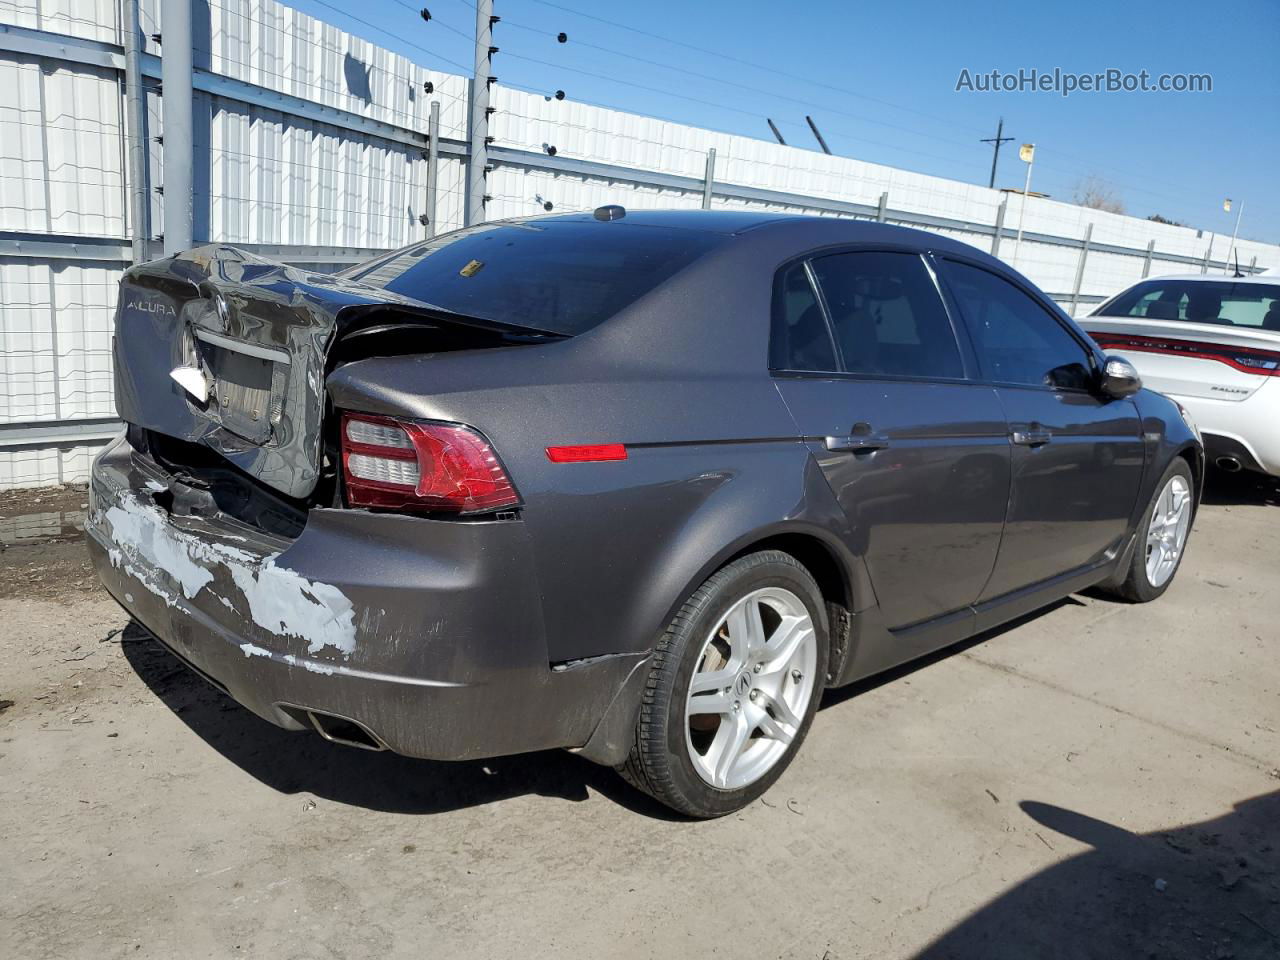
(301, 761)
(297, 762)
(1243, 488)
(839, 695)
(1204, 890)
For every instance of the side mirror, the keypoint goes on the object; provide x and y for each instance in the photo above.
(1119, 378)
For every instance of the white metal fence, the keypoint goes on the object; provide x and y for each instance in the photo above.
(310, 145)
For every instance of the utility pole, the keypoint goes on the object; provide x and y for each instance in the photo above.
(774, 128)
(995, 142)
(480, 81)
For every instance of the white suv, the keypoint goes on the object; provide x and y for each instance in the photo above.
(1211, 343)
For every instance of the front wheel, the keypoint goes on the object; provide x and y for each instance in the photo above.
(733, 687)
(1162, 536)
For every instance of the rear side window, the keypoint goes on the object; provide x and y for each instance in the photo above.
(1017, 340)
(887, 315)
(801, 339)
(563, 276)
(1199, 301)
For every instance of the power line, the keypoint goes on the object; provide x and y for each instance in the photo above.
(789, 123)
(1089, 162)
(434, 19)
(755, 90)
(856, 138)
(398, 37)
(752, 64)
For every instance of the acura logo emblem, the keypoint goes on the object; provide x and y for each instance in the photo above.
(744, 684)
(150, 306)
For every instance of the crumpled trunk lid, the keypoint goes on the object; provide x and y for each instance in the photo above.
(222, 347)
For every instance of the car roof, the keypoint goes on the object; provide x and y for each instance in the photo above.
(737, 222)
(1212, 278)
(726, 222)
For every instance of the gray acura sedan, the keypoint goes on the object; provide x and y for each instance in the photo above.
(641, 485)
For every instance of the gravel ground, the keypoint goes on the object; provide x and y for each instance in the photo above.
(1099, 780)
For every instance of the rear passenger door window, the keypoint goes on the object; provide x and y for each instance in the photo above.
(1017, 340)
(801, 339)
(887, 316)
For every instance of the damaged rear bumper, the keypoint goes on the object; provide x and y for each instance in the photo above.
(426, 634)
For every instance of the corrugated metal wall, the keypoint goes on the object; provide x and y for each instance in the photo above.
(61, 173)
(264, 175)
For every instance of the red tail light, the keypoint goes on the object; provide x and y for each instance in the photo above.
(407, 464)
(1245, 359)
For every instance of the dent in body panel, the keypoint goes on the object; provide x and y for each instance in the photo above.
(172, 563)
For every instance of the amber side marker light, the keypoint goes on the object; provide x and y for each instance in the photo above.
(587, 453)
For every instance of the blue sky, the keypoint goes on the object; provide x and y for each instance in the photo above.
(880, 79)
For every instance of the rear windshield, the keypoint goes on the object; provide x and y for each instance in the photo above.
(562, 276)
(1199, 301)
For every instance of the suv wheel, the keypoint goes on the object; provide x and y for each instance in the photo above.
(733, 687)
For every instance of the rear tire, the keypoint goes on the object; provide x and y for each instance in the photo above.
(733, 687)
(1162, 536)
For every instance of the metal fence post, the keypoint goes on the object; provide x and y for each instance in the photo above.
(179, 156)
(884, 206)
(1253, 264)
(136, 132)
(433, 165)
(1084, 255)
(1204, 265)
(479, 156)
(709, 179)
(1146, 264)
(995, 239)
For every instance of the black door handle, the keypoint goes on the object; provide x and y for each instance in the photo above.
(1032, 438)
(857, 443)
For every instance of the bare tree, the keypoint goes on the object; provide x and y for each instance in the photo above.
(1097, 193)
(1156, 218)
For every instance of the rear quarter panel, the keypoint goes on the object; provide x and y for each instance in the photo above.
(617, 546)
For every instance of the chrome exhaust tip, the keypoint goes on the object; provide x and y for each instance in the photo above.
(1229, 464)
(337, 729)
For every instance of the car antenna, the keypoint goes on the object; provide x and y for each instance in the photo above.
(1238, 273)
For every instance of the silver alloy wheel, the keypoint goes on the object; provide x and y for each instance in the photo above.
(1167, 530)
(751, 688)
